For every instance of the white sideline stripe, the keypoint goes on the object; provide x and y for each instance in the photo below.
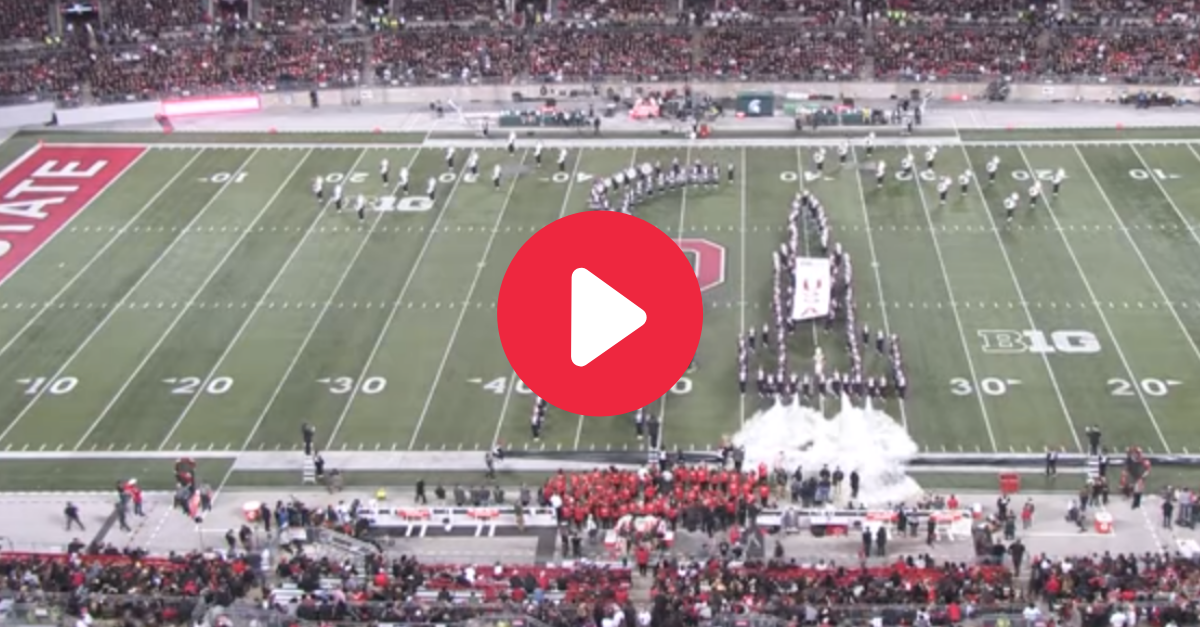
(1103, 318)
(312, 331)
(987, 209)
(23, 157)
(581, 418)
(132, 289)
(324, 209)
(112, 240)
(962, 334)
(887, 325)
(199, 290)
(948, 229)
(387, 324)
(628, 143)
(801, 180)
(437, 377)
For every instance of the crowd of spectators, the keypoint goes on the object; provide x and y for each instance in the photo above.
(43, 73)
(155, 17)
(1172, 53)
(303, 12)
(415, 11)
(960, 11)
(123, 584)
(445, 55)
(1179, 12)
(149, 72)
(930, 51)
(820, 11)
(152, 48)
(20, 19)
(812, 594)
(740, 51)
(617, 10)
(631, 53)
(110, 583)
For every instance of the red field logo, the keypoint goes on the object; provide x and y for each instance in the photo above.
(708, 259)
(46, 189)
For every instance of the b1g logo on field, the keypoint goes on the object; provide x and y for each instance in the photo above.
(407, 204)
(708, 259)
(1039, 342)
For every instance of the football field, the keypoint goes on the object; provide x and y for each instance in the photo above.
(196, 297)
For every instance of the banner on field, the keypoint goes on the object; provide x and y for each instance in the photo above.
(813, 284)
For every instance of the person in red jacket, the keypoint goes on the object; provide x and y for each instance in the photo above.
(642, 556)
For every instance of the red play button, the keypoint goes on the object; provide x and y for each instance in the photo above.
(600, 313)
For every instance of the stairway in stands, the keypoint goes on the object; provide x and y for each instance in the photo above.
(639, 590)
(697, 47)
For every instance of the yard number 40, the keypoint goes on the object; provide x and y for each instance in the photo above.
(500, 386)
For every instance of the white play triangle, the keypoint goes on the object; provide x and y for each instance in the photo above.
(600, 317)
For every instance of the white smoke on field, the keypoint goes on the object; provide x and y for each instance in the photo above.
(855, 438)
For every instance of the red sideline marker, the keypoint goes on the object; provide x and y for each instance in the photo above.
(44, 191)
(600, 313)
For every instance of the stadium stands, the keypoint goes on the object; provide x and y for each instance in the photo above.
(155, 17)
(440, 11)
(752, 52)
(305, 43)
(305, 12)
(20, 19)
(169, 589)
(147, 73)
(942, 52)
(443, 55)
(1130, 53)
(43, 73)
(909, 583)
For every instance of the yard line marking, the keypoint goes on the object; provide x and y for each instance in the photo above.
(742, 273)
(199, 291)
(312, 331)
(324, 210)
(1103, 318)
(124, 298)
(987, 209)
(887, 327)
(1145, 264)
(112, 240)
(683, 195)
(812, 325)
(1182, 218)
(395, 308)
(437, 377)
(962, 335)
(512, 380)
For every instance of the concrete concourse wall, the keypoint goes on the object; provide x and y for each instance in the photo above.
(865, 91)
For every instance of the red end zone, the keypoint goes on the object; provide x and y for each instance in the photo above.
(45, 189)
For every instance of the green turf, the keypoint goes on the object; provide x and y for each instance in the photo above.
(78, 475)
(361, 329)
